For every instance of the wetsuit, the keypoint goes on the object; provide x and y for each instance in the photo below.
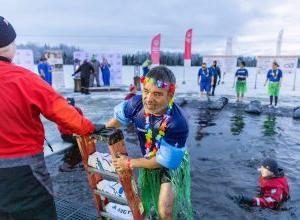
(217, 77)
(25, 184)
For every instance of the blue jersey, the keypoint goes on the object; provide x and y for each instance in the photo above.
(43, 67)
(205, 75)
(241, 74)
(177, 127)
(274, 75)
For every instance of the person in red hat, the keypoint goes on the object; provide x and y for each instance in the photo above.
(274, 187)
(132, 92)
(25, 184)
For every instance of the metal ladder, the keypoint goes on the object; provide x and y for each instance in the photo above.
(115, 140)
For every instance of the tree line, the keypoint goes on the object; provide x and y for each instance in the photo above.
(166, 58)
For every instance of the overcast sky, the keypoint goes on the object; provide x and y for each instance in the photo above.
(129, 25)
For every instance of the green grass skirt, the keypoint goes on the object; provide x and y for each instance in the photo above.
(149, 183)
(273, 88)
(241, 87)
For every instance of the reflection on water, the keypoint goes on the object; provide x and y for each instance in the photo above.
(205, 119)
(237, 123)
(269, 128)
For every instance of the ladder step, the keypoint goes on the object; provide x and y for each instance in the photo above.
(105, 174)
(107, 215)
(112, 197)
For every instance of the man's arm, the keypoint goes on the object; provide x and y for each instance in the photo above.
(113, 123)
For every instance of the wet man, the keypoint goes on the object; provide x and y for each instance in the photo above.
(205, 79)
(162, 131)
(217, 76)
(25, 184)
(274, 77)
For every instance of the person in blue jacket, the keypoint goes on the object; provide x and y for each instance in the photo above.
(162, 130)
(105, 72)
(44, 70)
(205, 79)
(274, 77)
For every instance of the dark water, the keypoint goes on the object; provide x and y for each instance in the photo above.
(226, 148)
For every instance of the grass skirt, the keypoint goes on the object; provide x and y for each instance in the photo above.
(241, 87)
(273, 88)
(150, 181)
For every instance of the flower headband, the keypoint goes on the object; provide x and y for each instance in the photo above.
(160, 84)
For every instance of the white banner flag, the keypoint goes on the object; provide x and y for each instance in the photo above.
(24, 58)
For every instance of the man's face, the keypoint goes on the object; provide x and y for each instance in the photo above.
(203, 66)
(274, 66)
(265, 172)
(155, 100)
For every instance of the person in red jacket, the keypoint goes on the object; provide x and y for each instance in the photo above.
(25, 184)
(274, 187)
(132, 92)
(72, 156)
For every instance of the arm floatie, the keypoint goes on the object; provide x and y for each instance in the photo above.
(120, 115)
(169, 156)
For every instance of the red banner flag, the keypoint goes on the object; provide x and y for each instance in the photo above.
(188, 45)
(155, 49)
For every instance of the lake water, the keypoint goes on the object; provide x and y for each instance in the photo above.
(226, 148)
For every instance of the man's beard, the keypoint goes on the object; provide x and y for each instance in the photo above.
(157, 110)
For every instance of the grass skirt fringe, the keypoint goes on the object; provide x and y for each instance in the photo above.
(150, 181)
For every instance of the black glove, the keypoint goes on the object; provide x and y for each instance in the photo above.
(99, 128)
(241, 199)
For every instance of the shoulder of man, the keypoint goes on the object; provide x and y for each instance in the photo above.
(178, 119)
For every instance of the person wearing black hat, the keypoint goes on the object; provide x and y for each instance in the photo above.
(274, 187)
(25, 185)
(72, 156)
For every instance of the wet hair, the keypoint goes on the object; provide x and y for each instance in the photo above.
(43, 59)
(243, 63)
(275, 63)
(162, 73)
(215, 62)
(203, 63)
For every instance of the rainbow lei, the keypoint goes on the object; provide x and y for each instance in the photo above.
(161, 132)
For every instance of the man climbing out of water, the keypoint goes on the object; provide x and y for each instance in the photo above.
(162, 131)
(274, 77)
(274, 187)
(205, 79)
(241, 76)
(217, 76)
(25, 184)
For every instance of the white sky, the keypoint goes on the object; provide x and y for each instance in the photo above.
(129, 25)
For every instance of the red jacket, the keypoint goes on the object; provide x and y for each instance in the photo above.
(65, 131)
(129, 96)
(24, 97)
(273, 191)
